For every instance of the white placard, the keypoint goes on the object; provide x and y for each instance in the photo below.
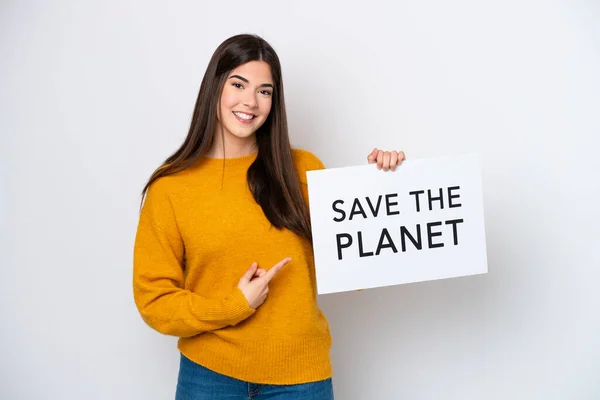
(422, 222)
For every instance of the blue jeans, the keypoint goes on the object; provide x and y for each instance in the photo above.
(196, 382)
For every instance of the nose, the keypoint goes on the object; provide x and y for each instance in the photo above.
(250, 100)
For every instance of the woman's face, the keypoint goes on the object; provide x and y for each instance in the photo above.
(246, 99)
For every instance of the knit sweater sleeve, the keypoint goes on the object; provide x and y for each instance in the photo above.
(158, 277)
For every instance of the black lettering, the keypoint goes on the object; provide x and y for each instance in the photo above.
(389, 203)
(338, 219)
(361, 253)
(341, 245)
(417, 243)
(376, 210)
(453, 222)
(390, 243)
(432, 199)
(356, 206)
(416, 193)
(431, 234)
(450, 197)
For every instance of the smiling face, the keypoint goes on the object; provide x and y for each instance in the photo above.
(245, 101)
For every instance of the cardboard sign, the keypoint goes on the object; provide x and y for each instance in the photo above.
(372, 228)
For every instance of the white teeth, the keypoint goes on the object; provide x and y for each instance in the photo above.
(244, 116)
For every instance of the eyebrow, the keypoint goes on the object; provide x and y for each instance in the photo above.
(241, 78)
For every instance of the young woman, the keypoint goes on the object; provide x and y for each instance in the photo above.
(223, 256)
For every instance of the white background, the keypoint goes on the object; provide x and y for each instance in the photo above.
(459, 247)
(94, 95)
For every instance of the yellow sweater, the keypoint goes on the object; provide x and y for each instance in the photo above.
(199, 232)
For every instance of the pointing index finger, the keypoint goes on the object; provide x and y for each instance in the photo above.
(275, 268)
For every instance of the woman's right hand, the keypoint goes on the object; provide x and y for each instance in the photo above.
(255, 286)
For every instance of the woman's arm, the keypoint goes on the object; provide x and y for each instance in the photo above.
(158, 278)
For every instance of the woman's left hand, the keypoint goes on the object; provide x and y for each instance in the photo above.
(386, 159)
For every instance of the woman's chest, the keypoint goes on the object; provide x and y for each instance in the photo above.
(220, 223)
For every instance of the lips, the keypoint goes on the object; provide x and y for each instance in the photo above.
(244, 117)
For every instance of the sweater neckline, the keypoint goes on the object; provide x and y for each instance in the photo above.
(219, 162)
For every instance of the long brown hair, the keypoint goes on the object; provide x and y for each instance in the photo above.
(272, 177)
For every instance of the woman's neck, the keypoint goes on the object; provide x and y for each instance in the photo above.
(233, 147)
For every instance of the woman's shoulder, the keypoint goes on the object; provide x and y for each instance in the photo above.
(306, 161)
(171, 185)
